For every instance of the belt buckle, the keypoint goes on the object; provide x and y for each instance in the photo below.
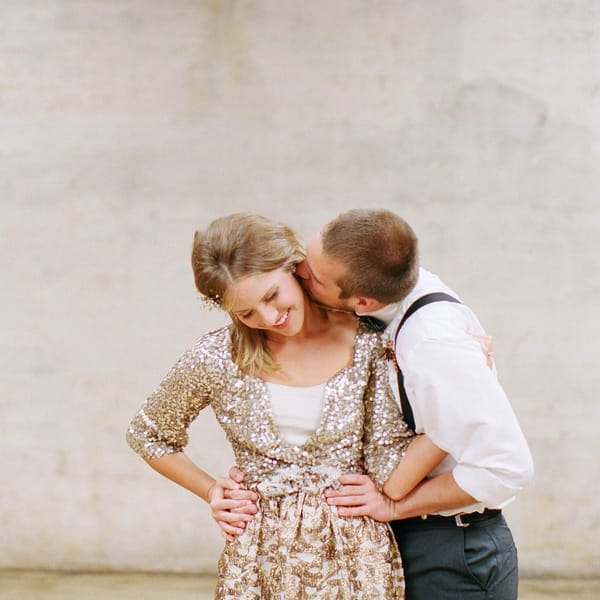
(459, 521)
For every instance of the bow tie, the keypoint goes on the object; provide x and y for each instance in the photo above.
(372, 323)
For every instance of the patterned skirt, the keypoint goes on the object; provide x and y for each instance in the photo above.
(297, 548)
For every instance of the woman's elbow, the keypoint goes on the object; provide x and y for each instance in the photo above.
(393, 492)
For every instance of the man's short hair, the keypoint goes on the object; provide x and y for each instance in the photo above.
(379, 253)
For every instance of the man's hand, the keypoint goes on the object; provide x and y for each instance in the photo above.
(236, 474)
(239, 492)
(358, 496)
(487, 347)
(232, 506)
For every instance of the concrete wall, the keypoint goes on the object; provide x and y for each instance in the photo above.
(125, 125)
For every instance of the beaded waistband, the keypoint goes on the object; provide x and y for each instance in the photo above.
(284, 481)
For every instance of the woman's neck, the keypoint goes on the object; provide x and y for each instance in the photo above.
(323, 346)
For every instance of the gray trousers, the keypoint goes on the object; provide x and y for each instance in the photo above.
(445, 562)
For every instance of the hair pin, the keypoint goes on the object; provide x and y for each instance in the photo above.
(210, 302)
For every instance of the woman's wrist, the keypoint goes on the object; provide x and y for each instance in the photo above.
(396, 510)
(209, 491)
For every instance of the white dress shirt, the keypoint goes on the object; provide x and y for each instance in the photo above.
(456, 398)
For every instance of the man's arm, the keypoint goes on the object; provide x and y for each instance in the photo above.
(434, 495)
(232, 505)
(359, 497)
(458, 402)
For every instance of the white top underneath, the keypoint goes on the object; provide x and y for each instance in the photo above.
(296, 410)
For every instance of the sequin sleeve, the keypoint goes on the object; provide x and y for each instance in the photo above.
(160, 426)
(386, 434)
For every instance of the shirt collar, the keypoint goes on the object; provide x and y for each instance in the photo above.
(385, 314)
(427, 282)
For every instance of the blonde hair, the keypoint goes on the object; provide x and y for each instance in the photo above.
(379, 253)
(231, 248)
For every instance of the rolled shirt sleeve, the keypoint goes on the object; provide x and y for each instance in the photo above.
(458, 402)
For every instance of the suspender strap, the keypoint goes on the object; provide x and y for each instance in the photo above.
(422, 301)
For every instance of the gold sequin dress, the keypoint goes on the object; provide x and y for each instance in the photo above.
(296, 547)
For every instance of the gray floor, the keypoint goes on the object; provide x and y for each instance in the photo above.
(36, 585)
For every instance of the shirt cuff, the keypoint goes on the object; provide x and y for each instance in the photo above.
(484, 486)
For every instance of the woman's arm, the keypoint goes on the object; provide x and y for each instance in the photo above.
(358, 494)
(422, 456)
(179, 468)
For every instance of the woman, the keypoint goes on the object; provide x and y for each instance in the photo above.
(302, 394)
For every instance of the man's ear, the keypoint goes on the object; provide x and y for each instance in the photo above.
(365, 304)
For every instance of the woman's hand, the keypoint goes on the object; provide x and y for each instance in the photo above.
(358, 496)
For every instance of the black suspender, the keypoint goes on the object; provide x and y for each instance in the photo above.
(422, 301)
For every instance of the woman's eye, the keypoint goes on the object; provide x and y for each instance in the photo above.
(247, 315)
(272, 296)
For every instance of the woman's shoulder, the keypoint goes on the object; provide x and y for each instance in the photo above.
(366, 340)
(209, 348)
(215, 335)
(217, 338)
(371, 341)
(368, 330)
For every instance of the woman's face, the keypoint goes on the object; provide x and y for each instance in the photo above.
(272, 301)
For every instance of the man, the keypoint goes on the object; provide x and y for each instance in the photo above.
(452, 536)
(367, 261)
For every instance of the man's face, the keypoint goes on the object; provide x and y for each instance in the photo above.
(319, 274)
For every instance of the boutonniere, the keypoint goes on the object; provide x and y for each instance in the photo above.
(389, 354)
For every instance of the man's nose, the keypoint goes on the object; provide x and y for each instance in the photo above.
(302, 270)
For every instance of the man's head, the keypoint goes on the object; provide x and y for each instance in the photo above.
(361, 261)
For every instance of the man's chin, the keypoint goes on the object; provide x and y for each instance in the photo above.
(339, 307)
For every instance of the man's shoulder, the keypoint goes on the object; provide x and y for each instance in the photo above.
(428, 283)
(440, 320)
